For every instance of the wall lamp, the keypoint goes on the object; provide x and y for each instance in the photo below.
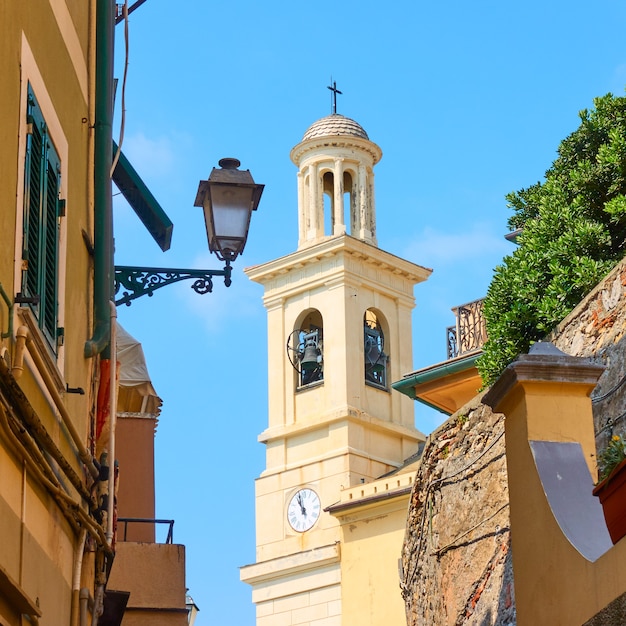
(228, 198)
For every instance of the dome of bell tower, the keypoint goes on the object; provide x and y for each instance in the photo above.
(335, 125)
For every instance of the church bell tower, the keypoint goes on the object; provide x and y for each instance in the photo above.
(339, 332)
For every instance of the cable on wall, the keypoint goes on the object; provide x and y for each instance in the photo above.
(125, 76)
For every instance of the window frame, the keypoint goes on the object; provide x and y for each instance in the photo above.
(42, 211)
(373, 331)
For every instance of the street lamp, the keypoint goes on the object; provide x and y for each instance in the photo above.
(228, 198)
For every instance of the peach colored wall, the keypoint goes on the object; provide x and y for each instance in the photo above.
(135, 497)
(154, 574)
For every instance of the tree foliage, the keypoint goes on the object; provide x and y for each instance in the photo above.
(573, 230)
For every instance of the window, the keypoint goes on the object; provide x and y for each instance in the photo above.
(42, 212)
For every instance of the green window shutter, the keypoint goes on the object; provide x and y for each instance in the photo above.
(50, 253)
(33, 182)
(41, 223)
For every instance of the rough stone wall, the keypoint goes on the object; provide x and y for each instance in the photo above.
(456, 557)
(596, 329)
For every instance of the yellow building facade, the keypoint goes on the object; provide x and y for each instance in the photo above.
(45, 275)
(339, 331)
(57, 322)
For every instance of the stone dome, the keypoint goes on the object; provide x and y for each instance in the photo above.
(335, 125)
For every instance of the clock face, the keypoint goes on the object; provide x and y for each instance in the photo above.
(304, 510)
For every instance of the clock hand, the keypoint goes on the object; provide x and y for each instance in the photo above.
(302, 509)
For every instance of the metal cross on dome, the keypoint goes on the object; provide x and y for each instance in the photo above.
(334, 95)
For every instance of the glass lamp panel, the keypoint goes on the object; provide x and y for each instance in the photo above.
(231, 216)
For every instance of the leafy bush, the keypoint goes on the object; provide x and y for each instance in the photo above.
(573, 230)
(611, 456)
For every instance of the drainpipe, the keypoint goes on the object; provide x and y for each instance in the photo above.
(18, 359)
(84, 606)
(78, 568)
(103, 151)
(113, 423)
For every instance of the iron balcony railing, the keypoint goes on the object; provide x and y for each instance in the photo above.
(125, 521)
(469, 334)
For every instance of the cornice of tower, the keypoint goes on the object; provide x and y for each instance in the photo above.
(350, 415)
(341, 257)
(333, 143)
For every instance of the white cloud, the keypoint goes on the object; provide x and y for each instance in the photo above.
(241, 301)
(154, 156)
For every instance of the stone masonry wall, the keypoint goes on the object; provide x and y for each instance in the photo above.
(456, 557)
(596, 329)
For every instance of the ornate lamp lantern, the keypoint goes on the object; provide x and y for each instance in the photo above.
(228, 198)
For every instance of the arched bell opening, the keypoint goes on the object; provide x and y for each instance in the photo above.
(336, 203)
(376, 360)
(349, 203)
(328, 185)
(305, 349)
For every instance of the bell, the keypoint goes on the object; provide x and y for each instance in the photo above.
(309, 360)
(372, 349)
(378, 366)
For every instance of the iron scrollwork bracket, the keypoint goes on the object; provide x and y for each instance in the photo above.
(138, 281)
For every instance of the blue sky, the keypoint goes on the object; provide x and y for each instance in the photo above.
(468, 102)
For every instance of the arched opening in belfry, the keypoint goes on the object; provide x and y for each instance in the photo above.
(328, 188)
(329, 203)
(305, 348)
(349, 203)
(376, 360)
(338, 220)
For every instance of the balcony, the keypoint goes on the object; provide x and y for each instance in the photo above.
(448, 385)
(150, 575)
(469, 333)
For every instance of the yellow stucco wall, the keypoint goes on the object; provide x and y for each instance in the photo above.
(44, 43)
(547, 400)
(373, 524)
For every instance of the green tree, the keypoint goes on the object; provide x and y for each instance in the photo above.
(573, 230)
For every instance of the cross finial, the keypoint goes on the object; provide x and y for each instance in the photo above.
(333, 97)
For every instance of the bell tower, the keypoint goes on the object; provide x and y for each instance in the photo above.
(339, 332)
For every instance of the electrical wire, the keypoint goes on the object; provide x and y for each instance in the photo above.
(610, 423)
(71, 509)
(123, 113)
(405, 585)
(441, 550)
(610, 392)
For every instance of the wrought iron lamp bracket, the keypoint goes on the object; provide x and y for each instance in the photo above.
(139, 281)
